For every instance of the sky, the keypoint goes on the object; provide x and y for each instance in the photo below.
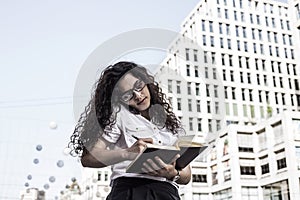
(43, 47)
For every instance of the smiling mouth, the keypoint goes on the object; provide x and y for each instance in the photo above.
(141, 101)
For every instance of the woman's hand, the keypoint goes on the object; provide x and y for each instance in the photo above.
(157, 167)
(137, 147)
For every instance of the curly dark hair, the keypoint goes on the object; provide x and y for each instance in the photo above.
(105, 104)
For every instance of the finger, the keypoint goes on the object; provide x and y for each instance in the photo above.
(147, 140)
(160, 162)
(153, 164)
(147, 167)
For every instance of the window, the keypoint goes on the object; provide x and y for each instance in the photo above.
(195, 55)
(189, 90)
(205, 56)
(213, 57)
(188, 73)
(212, 41)
(281, 163)
(243, 94)
(203, 25)
(245, 112)
(235, 16)
(265, 168)
(170, 86)
(196, 71)
(235, 110)
(206, 72)
(258, 19)
(230, 61)
(223, 58)
(214, 73)
(199, 124)
(187, 54)
(223, 194)
(216, 91)
(105, 176)
(247, 170)
(244, 32)
(246, 46)
(217, 110)
(241, 77)
(208, 107)
(197, 89)
(191, 123)
(262, 139)
(211, 29)
(226, 14)
(204, 40)
(209, 125)
(178, 87)
(218, 123)
(249, 77)
(178, 103)
(221, 43)
(227, 29)
(278, 132)
(253, 33)
(249, 193)
(225, 92)
(198, 106)
(231, 76)
(190, 104)
(233, 93)
(200, 178)
(99, 175)
(207, 90)
(236, 31)
(220, 28)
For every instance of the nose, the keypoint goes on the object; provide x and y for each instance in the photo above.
(138, 95)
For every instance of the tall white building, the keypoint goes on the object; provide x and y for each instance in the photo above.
(233, 68)
(235, 63)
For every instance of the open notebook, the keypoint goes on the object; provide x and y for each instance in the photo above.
(189, 147)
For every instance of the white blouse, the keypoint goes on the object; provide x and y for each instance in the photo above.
(120, 137)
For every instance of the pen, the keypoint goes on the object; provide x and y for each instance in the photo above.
(135, 137)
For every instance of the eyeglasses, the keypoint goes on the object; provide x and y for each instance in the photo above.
(128, 95)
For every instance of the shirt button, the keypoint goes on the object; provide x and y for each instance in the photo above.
(159, 142)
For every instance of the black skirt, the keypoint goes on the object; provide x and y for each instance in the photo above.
(131, 188)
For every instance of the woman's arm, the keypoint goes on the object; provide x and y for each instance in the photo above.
(185, 175)
(100, 156)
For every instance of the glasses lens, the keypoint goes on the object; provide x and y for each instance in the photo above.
(127, 96)
(139, 86)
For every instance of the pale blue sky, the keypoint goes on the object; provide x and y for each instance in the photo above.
(43, 45)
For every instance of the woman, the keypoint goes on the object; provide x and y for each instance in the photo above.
(127, 105)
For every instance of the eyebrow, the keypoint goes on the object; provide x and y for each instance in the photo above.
(134, 85)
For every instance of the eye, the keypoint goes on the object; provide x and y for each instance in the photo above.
(127, 96)
(139, 85)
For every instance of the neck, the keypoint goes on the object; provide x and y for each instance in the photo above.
(145, 113)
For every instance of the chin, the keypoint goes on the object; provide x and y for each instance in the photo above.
(144, 107)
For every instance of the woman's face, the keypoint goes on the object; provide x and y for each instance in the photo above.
(134, 92)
